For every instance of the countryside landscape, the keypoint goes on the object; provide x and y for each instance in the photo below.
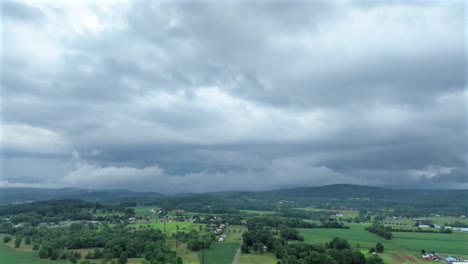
(233, 131)
(301, 225)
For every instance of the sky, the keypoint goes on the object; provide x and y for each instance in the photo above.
(206, 96)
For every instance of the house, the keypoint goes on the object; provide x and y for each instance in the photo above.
(265, 248)
(221, 239)
(339, 215)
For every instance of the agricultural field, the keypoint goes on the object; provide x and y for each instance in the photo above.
(219, 253)
(455, 243)
(403, 243)
(223, 252)
(265, 258)
(356, 236)
(10, 255)
(188, 256)
(144, 210)
(25, 255)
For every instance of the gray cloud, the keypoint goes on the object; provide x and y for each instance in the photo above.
(20, 11)
(243, 95)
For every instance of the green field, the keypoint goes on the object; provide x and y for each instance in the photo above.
(144, 210)
(265, 258)
(220, 253)
(404, 243)
(356, 235)
(10, 255)
(455, 243)
(188, 256)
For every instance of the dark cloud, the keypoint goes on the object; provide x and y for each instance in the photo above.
(243, 95)
(20, 11)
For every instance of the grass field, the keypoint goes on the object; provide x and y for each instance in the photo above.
(10, 255)
(455, 243)
(220, 253)
(223, 252)
(405, 245)
(188, 256)
(144, 210)
(266, 258)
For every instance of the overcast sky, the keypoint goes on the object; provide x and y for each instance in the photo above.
(194, 96)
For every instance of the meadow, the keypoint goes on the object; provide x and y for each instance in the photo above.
(10, 255)
(264, 258)
(402, 244)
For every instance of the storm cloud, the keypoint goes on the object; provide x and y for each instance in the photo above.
(195, 96)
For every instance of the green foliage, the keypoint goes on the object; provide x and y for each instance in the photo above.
(374, 259)
(18, 241)
(6, 239)
(379, 247)
(379, 230)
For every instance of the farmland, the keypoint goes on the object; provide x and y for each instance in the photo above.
(264, 258)
(402, 243)
(10, 255)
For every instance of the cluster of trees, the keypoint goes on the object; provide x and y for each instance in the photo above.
(457, 224)
(336, 251)
(54, 211)
(116, 242)
(379, 248)
(419, 230)
(276, 222)
(380, 230)
(256, 239)
(194, 240)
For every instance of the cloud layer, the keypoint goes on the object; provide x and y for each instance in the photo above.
(205, 96)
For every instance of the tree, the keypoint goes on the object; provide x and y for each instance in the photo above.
(123, 258)
(379, 247)
(374, 260)
(43, 253)
(372, 250)
(6, 239)
(245, 249)
(423, 251)
(27, 241)
(18, 241)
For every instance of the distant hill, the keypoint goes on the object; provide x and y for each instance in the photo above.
(14, 195)
(337, 191)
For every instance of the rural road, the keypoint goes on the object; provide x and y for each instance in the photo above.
(237, 253)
